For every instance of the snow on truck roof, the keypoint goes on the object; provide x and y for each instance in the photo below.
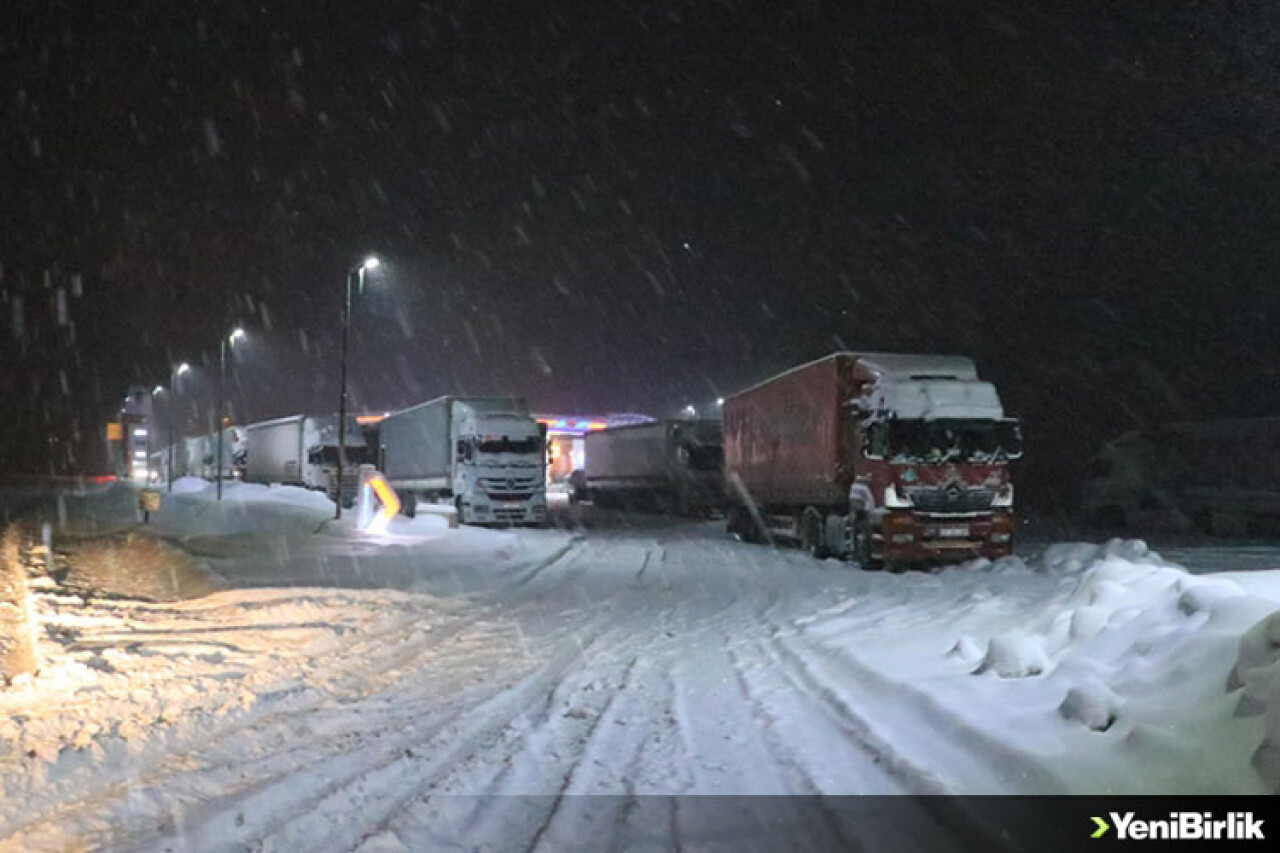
(481, 405)
(901, 367)
(931, 399)
(893, 366)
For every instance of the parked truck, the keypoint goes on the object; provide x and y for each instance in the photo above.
(891, 459)
(487, 455)
(673, 466)
(195, 456)
(302, 450)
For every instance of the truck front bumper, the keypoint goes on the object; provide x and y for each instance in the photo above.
(504, 512)
(907, 537)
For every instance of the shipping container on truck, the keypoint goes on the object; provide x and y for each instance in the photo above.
(302, 450)
(674, 466)
(892, 459)
(485, 455)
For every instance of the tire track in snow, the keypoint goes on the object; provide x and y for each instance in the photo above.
(372, 787)
(382, 811)
(184, 770)
(853, 726)
(559, 752)
(571, 550)
(584, 754)
(536, 763)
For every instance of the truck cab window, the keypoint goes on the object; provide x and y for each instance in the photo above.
(532, 444)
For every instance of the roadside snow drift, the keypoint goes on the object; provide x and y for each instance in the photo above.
(1130, 676)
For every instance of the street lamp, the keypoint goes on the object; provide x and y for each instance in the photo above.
(174, 373)
(369, 263)
(229, 340)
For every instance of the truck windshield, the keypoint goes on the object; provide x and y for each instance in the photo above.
(954, 441)
(532, 444)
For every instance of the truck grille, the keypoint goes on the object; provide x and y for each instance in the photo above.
(509, 488)
(951, 499)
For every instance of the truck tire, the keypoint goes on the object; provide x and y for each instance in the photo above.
(741, 525)
(408, 504)
(862, 546)
(811, 530)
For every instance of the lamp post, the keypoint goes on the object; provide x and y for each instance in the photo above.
(229, 340)
(370, 263)
(174, 373)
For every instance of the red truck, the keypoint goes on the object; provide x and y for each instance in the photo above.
(892, 459)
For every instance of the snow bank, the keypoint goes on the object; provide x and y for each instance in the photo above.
(260, 535)
(1118, 670)
(1256, 676)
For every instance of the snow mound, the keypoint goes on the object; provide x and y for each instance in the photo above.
(1074, 557)
(1091, 704)
(967, 649)
(1014, 655)
(1256, 675)
(190, 485)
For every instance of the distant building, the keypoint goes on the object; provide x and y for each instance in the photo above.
(134, 454)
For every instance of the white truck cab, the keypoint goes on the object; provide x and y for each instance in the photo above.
(500, 473)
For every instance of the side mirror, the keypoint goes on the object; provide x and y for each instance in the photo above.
(462, 451)
(1011, 440)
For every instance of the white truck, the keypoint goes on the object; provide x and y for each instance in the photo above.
(670, 466)
(485, 454)
(302, 450)
(194, 457)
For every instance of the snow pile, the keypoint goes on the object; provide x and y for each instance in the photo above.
(260, 535)
(1073, 557)
(1118, 670)
(1014, 655)
(1256, 676)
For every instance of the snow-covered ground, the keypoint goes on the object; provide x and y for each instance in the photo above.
(353, 692)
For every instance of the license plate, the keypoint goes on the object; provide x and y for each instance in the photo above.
(953, 532)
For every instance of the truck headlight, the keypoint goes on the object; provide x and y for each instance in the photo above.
(893, 500)
(1004, 497)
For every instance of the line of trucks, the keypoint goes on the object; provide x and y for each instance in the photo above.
(485, 455)
(889, 459)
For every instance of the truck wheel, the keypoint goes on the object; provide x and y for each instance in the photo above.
(742, 525)
(408, 504)
(862, 546)
(811, 524)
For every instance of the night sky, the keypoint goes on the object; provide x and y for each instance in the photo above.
(610, 206)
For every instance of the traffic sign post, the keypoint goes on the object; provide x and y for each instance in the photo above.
(148, 502)
(377, 503)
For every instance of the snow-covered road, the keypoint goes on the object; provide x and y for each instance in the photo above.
(383, 694)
